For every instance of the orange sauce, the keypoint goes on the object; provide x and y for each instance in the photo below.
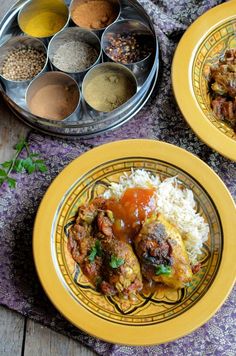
(134, 207)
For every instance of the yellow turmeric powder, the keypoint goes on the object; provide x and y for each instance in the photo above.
(43, 18)
(44, 24)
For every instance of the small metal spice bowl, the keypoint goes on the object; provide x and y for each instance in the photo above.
(93, 21)
(16, 88)
(43, 18)
(131, 43)
(74, 35)
(54, 96)
(107, 87)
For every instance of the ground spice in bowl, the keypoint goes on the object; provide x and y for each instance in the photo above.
(43, 18)
(53, 96)
(44, 24)
(74, 56)
(23, 64)
(94, 14)
(107, 86)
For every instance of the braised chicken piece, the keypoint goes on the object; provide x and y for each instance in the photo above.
(80, 235)
(223, 88)
(81, 243)
(225, 109)
(121, 271)
(109, 264)
(223, 75)
(162, 254)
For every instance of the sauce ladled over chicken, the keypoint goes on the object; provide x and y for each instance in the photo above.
(130, 212)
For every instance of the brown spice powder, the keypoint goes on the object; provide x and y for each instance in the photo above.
(95, 14)
(54, 101)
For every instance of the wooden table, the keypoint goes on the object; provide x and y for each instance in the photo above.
(19, 335)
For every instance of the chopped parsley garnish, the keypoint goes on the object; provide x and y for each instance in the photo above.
(116, 262)
(95, 251)
(162, 269)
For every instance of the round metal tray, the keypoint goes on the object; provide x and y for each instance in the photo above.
(87, 125)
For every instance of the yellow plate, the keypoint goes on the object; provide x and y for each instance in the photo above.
(155, 318)
(201, 46)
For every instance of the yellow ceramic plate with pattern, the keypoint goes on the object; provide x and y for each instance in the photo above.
(202, 45)
(155, 317)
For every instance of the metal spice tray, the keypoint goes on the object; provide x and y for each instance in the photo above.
(87, 124)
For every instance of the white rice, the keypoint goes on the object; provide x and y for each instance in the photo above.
(176, 204)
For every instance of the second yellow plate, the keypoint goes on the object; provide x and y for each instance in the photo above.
(202, 45)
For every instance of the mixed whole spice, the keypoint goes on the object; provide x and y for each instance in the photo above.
(128, 48)
(222, 83)
(23, 64)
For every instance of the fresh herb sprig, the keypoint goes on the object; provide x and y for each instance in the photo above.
(116, 262)
(95, 251)
(163, 270)
(32, 163)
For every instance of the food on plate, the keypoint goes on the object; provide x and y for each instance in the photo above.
(141, 231)
(109, 264)
(162, 253)
(222, 81)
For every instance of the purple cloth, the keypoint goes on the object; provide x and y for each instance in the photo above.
(159, 119)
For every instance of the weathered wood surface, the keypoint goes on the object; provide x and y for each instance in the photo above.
(11, 333)
(10, 127)
(19, 336)
(11, 324)
(42, 341)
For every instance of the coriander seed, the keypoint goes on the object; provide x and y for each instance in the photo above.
(23, 64)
